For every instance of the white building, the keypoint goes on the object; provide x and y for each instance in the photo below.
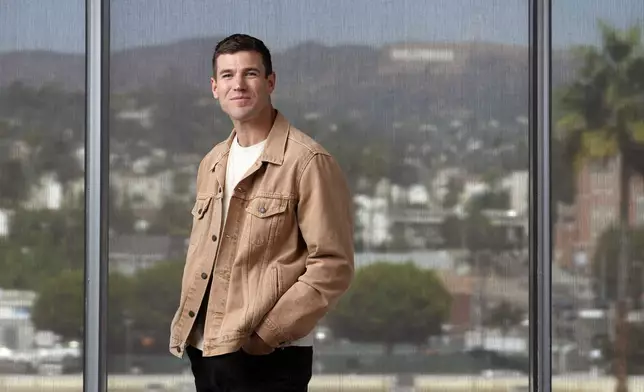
(517, 184)
(16, 330)
(372, 218)
(144, 191)
(427, 55)
(47, 194)
(4, 223)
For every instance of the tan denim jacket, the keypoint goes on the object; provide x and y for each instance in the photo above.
(283, 257)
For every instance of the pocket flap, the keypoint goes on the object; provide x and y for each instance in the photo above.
(201, 205)
(264, 207)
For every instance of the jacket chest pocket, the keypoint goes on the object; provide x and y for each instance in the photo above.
(200, 217)
(265, 216)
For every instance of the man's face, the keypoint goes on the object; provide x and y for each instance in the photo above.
(241, 85)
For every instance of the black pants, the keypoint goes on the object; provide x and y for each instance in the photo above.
(286, 369)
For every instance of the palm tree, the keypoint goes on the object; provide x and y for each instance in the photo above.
(603, 119)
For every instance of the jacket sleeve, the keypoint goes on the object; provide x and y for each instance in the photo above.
(325, 218)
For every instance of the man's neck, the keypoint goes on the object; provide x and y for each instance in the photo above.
(256, 130)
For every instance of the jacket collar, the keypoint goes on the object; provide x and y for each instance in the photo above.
(275, 143)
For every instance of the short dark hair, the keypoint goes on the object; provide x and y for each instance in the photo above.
(241, 43)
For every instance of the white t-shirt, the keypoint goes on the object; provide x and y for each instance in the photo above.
(240, 159)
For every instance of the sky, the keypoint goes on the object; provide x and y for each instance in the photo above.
(58, 25)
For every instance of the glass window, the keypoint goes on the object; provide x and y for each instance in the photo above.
(42, 133)
(598, 95)
(424, 105)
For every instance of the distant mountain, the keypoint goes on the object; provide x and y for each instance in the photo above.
(42, 67)
(491, 80)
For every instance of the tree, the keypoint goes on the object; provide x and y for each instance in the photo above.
(565, 189)
(122, 215)
(39, 245)
(173, 218)
(452, 232)
(155, 296)
(603, 118)
(481, 235)
(59, 306)
(503, 316)
(13, 183)
(119, 310)
(635, 350)
(392, 303)
(50, 121)
(605, 254)
(455, 187)
(490, 200)
(475, 231)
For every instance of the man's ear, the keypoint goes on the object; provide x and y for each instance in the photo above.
(213, 88)
(271, 82)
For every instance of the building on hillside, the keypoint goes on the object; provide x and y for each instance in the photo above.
(595, 209)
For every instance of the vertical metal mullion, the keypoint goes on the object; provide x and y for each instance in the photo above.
(96, 193)
(540, 195)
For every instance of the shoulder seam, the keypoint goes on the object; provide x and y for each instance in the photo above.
(304, 167)
(309, 148)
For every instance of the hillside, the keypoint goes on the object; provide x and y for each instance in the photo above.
(489, 80)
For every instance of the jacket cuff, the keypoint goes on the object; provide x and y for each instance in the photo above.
(271, 333)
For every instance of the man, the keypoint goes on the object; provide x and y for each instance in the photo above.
(271, 247)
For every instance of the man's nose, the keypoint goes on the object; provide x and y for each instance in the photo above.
(240, 83)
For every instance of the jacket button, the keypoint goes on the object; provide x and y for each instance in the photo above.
(191, 313)
(214, 238)
(199, 211)
(262, 210)
(204, 275)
